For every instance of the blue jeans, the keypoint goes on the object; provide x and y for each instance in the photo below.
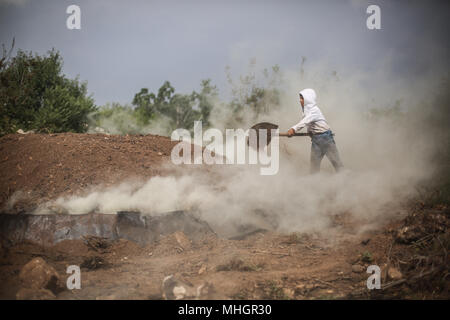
(324, 144)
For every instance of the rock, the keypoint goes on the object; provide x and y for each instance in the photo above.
(182, 240)
(175, 289)
(357, 268)
(34, 294)
(37, 274)
(394, 274)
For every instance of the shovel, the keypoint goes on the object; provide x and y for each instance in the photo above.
(268, 127)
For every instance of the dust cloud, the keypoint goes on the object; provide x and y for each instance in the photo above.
(386, 154)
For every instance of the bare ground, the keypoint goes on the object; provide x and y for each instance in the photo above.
(264, 265)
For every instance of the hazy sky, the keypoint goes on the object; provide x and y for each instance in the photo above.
(126, 45)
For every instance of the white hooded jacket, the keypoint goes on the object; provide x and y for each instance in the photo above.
(313, 118)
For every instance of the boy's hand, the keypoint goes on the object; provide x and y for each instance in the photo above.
(290, 132)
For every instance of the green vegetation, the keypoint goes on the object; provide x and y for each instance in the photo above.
(35, 95)
(165, 110)
(366, 257)
(160, 112)
(180, 109)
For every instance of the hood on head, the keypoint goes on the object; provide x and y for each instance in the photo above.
(309, 95)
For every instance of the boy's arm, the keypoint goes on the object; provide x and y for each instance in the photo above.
(307, 119)
(295, 128)
(299, 126)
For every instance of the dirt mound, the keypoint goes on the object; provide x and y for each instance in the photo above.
(38, 167)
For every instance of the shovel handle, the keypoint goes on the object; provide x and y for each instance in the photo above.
(295, 135)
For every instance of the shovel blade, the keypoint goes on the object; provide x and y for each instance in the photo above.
(260, 129)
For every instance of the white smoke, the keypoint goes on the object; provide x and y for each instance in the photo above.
(384, 159)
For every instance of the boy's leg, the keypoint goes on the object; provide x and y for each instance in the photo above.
(316, 156)
(333, 155)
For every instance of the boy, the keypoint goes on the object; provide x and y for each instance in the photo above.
(322, 138)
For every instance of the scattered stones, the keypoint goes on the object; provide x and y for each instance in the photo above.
(37, 274)
(357, 268)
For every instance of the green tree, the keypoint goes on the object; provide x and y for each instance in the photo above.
(35, 94)
(145, 108)
(181, 110)
(206, 98)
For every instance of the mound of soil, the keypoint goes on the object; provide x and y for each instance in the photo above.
(38, 167)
